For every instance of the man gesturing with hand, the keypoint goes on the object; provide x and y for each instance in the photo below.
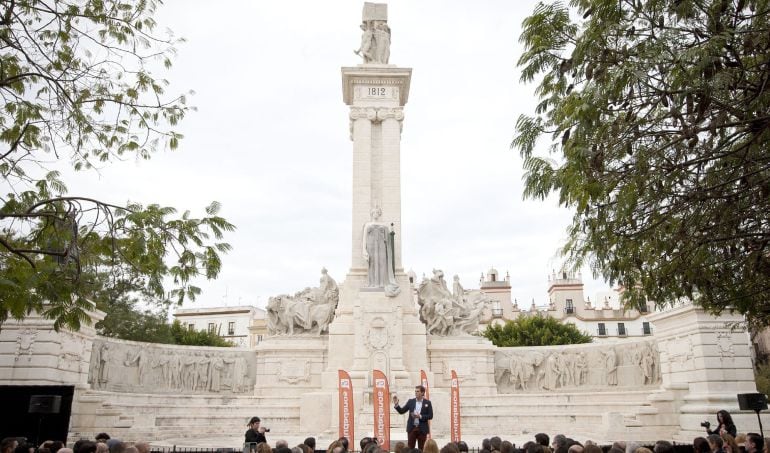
(420, 411)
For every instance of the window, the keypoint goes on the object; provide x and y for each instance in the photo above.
(643, 307)
(646, 328)
(570, 307)
(621, 329)
(602, 330)
(191, 327)
(231, 328)
(212, 328)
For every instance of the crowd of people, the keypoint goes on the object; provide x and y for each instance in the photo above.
(724, 438)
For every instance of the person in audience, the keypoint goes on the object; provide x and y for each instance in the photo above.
(542, 439)
(494, 443)
(345, 443)
(715, 443)
(24, 447)
(559, 443)
(450, 448)
(8, 445)
(102, 437)
(729, 445)
(298, 449)
(462, 446)
(663, 446)
(400, 447)
(700, 445)
(642, 450)
(592, 448)
(264, 447)
(101, 447)
(485, 445)
(754, 443)
(575, 448)
(506, 447)
(632, 446)
(131, 449)
(430, 446)
(142, 447)
(334, 445)
(115, 446)
(724, 424)
(533, 447)
(310, 442)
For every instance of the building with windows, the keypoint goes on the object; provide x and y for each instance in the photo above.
(244, 326)
(567, 302)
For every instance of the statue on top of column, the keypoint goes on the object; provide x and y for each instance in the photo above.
(375, 40)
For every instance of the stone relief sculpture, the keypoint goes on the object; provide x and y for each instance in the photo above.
(587, 368)
(375, 37)
(119, 366)
(24, 344)
(307, 312)
(444, 313)
(378, 253)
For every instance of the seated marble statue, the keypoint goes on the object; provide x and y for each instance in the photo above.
(444, 313)
(309, 311)
(378, 253)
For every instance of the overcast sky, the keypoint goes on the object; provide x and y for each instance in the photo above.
(270, 141)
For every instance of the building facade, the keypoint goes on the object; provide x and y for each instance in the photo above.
(244, 326)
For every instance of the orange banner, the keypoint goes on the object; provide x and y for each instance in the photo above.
(347, 419)
(424, 383)
(381, 402)
(454, 422)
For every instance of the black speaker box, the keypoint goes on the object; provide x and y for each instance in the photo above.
(752, 401)
(44, 404)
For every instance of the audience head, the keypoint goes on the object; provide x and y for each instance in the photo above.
(754, 443)
(559, 440)
(486, 445)
(663, 446)
(532, 447)
(310, 442)
(102, 447)
(263, 447)
(700, 445)
(102, 437)
(495, 443)
(65, 450)
(281, 443)
(25, 447)
(462, 446)
(430, 446)
(643, 450)
(450, 448)
(142, 447)
(592, 448)
(282, 449)
(298, 449)
(115, 446)
(8, 445)
(400, 447)
(575, 448)
(131, 449)
(87, 446)
(506, 447)
(632, 446)
(729, 444)
(715, 442)
(542, 439)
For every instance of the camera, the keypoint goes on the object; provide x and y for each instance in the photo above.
(706, 425)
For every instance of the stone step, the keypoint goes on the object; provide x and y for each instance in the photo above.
(543, 398)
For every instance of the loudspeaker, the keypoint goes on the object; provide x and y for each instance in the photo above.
(752, 401)
(44, 404)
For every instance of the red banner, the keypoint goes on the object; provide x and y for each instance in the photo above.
(424, 383)
(347, 419)
(381, 402)
(454, 422)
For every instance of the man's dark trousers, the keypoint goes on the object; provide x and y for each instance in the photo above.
(416, 435)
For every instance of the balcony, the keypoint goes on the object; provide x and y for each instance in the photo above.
(569, 310)
(497, 312)
(622, 332)
(601, 332)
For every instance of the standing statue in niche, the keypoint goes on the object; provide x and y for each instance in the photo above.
(375, 39)
(378, 253)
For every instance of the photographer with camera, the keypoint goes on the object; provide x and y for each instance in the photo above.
(256, 433)
(725, 424)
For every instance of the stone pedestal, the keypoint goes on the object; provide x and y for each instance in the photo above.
(705, 362)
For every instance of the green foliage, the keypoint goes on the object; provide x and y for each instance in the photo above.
(196, 337)
(536, 330)
(75, 84)
(762, 376)
(657, 112)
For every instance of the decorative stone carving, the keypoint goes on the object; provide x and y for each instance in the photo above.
(378, 253)
(375, 37)
(125, 366)
(294, 372)
(307, 312)
(446, 314)
(588, 368)
(379, 336)
(725, 345)
(25, 342)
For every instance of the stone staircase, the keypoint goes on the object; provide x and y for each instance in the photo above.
(176, 419)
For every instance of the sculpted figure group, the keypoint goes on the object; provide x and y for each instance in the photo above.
(375, 42)
(159, 369)
(444, 313)
(307, 312)
(597, 366)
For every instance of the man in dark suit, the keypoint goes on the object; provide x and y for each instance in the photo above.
(420, 411)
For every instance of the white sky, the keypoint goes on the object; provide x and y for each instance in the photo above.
(270, 141)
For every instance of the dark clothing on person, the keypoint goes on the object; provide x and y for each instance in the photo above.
(255, 437)
(730, 429)
(417, 433)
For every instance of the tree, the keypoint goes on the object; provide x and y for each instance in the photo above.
(76, 84)
(536, 330)
(659, 117)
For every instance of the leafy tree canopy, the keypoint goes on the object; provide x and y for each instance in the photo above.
(658, 112)
(76, 87)
(537, 330)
